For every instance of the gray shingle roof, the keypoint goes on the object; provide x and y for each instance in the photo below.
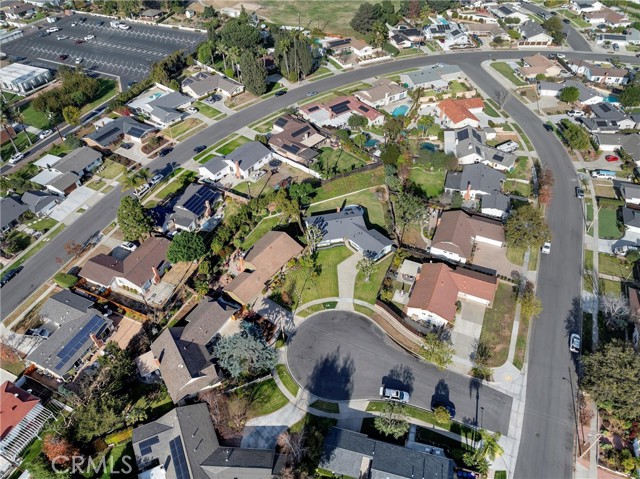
(65, 306)
(205, 320)
(607, 111)
(38, 200)
(530, 29)
(10, 210)
(248, 154)
(203, 83)
(627, 189)
(112, 131)
(64, 181)
(631, 217)
(480, 177)
(431, 74)
(496, 201)
(77, 160)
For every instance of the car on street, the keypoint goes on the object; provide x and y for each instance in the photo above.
(200, 148)
(165, 151)
(312, 93)
(9, 275)
(579, 192)
(281, 92)
(44, 134)
(575, 343)
(192, 110)
(566, 20)
(63, 57)
(74, 24)
(78, 42)
(394, 394)
(611, 158)
(53, 29)
(129, 246)
(560, 55)
(141, 190)
(131, 83)
(89, 37)
(575, 113)
(62, 37)
(462, 474)
(548, 127)
(448, 405)
(546, 247)
(78, 61)
(155, 180)
(16, 158)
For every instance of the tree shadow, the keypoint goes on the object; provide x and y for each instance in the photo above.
(573, 324)
(399, 377)
(332, 377)
(475, 385)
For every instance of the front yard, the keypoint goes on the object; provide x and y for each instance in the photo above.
(506, 71)
(232, 145)
(498, 323)
(368, 290)
(110, 170)
(208, 111)
(608, 222)
(613, 266)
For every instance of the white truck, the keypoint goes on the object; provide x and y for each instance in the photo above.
(394, 394)
(114, 24)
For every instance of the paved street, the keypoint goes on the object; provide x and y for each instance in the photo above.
(339, 355)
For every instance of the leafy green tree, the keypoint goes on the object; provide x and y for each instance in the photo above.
(360, 140)
(436, 350)
(239, 33)
(554, 27)
(97, 417)
(303, 192)
(530, 304)
(357, 121)
(254, 74)
(441, 416)
(611, 376)
(390, 154)
(133, 220)
(366, 16)
(245, 354)
(486, 453)
(71, 115)
(201, 287)
(367, 267)
(630, 96)
(392, 128)
(205, 53)
(569, 94)
(576, 137)
(407, 208)
(136, 415)
(208, 12)
(392, 420)
(527, 228)
(314, 235)
(186, 246)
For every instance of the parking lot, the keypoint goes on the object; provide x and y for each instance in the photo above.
(127, 54)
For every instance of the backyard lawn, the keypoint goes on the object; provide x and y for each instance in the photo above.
(374, 208)
(208, 111)
(505, 70)
(33, 117)
(260, 230)
(337, 160)
(517, 188)
(255, 188)
(608, 223)
(498, 323)
(521, 169)
(430, 182)
(341, 186)
(232, 145)
(368, 290)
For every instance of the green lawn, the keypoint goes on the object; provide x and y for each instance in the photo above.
(368, 290)
(260, 230)
(181, 128)
(374, 208)
(523, 136)
(521, 169)
(457, 87)
(206, 110)
(608, 286)
(35, 248)
(517, 188)
(614, 266)
(521, 343)
(253, 187)
(608, 223)
(287, 380)
(232, 145)
(576, 19)
(335, 64)
(341, 186)
(498, 323)
(266, 398)
(326, 406)
(299, 284)
(21, 142)
(111, 170)
(488, 110)
(206, 155)
(588, 260)
(44, 224)
(337, 160)
(28, 456)
(96, 184)
(306, 312)
(430, 182)
(33, 117)
(321, 72)
(116, 464)
(177, 184)
(506, 71)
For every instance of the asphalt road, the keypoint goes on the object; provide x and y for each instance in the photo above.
(339, 355)
(127, 54)
(574, 39)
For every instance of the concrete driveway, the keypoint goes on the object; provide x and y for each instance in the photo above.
(82, 197)
(495, 257)
(341, 355)
(467, 329)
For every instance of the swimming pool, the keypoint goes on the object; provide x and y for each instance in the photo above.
(443, 21)
(611, 99)
(371, 143)
(429, 146)
(155, 95)
(400, 110)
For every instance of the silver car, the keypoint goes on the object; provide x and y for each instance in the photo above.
(394, 395)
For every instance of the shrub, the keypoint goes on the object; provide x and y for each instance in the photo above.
(393, 51)
(65, 280)
(120, 436)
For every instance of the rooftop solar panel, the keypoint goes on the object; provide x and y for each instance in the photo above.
(363, 108)
(179, 460)
(463, 134)
(314, 108)
(281, 121)
(300, 131)
(197, 203)
(340, 107)
(291, 148)
(78, 340)
(145, 446)
(135, 132)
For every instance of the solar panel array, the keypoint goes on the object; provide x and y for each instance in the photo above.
(340, 107)
(145, 446)
(314, 108)
(135, 132)
(196, 204)
(363, 108)
(291, 148)
(179, 460)
(78, 340)
(337, 43)
(281, 121)
(300, 131)
(463, 134)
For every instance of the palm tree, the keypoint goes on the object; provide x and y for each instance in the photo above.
(379, 34)
(284, 46)
(223, 50)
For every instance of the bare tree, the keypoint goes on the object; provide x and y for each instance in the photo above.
(502, 95)
(293, 443)
(314, 236)
(615, 309)
(216, 402)
(73, 249)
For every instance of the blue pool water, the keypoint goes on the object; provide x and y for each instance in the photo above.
(155, 95)
(611, 99)
(443, 21)
(400, 110)
(371, 143)
(429, 146)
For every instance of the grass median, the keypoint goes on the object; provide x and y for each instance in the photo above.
(287, 379)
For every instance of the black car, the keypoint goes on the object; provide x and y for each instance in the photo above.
(548, 127)
(127, 146)
(165, 151)
(131, 83)
(579, 192)
(566, 20)
(9, 275)
(281, 92)
(200, 148)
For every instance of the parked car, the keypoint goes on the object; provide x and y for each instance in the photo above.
(53, 29)
(127, 146)
(141, 190)
(615, 47)
(129, 246)
(575, 113)
(575, 343)
(603, 174)
(462, 474)
(74, 24)
(165, 151)
(561, 55)
(566, 20)
(548, 127)
(200, 148)
(312, 93)
(394, 394)
(78, 42)
(62, 37)
(63, 57)
(192, 109)
(131, 83)
(41, 332)
(16, 158)
(611, 158)
(89, 37)
(281, 92)
(44, 34)
(44, 134)
(579, 192)
(155, 180)
(78, 61)
(624, 249)
(9, 275)
(546, 247)
(448, 405)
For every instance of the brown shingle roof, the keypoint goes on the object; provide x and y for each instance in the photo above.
(457, 230)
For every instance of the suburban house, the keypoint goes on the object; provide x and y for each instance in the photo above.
(63, 307)
(433, 77)
(39, 203)
(215, 169)
(67, 347)
(532, 33)
(474, 181)
(607, 118)
(459, 113)
(336, 112)
(587, 96)
(352, 454)
(457, 233)
(60, 176)
(183, 444)
(450, 35)
(495, 204)
(606, 16)
(22, 417)
(10, 211)
(81, 162)
(439, 287)
(19, 78)
(138, 271)
(468, 145)
(629, 144)
(348, 226)
(381, 93)
(492, 30)
(538, 65)
(19, 11)
(47, 161)
(585, 6)
(629, 191)
(204, 84)
(631, 219)
(60, 184)
(296, 139)
(161, 106)
(263, 260)
(122, 128)
(193, 208)
(248, 158)
(504, 12)
(342, 46)
(606, 75)
(183, 355)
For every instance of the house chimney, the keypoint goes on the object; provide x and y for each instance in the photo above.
(237, 165)
(98, 343)
(467, 194)
(338, 209)
(241, 263)
(156, 275)
(207, 211)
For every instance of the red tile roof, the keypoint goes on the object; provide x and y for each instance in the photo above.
(15, 404)
(458, 110)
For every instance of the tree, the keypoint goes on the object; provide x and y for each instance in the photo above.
(441, 416)
(392, 420)
(630, 96)
(65, 280)
(133, 220)
(390, 154)
(245, 354)
(378, 34)
(554, 27)
(488, 450)
(254, 74)
(392, 128)
(569, 94)
(367, 267)
(303, 192)
(527, 228)
(576, 137)
(136, 415)
(40, 468)
(615, 309)
(530, 304)
(366, 17)
(186, 246)
(502, 95)
(205, 53)
(407, 208)
(293, 444)
(58, 450)
(424, 123)
(436, 350)
(545, 184)
(360, 140)
(208, 12)
(357, 121)
(201, 287)
(239, 33)
(314, 236)
(611, 376)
